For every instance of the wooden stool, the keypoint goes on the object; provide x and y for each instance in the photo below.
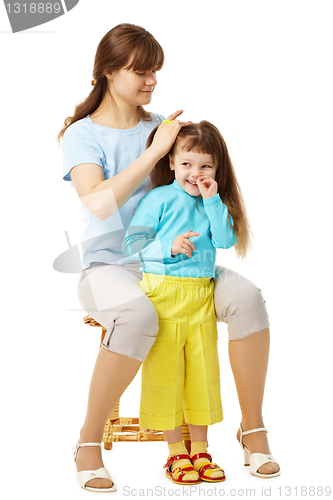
(127, 428)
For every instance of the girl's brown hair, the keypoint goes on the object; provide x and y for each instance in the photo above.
(204, 137)
(126, 45)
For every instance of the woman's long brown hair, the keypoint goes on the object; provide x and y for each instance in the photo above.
(125, 46)
(204, 137)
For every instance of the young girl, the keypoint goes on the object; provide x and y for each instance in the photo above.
(196, 207)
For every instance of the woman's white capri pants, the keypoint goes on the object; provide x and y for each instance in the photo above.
(111, 295)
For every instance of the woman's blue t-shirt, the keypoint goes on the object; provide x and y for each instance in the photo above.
(113, 150)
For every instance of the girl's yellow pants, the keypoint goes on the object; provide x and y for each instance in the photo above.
(181, 371)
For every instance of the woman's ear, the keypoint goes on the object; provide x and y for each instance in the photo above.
(109, 76)
(171, 163)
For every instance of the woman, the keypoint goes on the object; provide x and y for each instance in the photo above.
(106, 160)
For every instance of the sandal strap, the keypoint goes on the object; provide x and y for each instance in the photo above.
(80, 445)
(86, 475)
(180, 471)
(206, 466)
(201, 455)
(174, 458)
(254, 430)
(259, 459)
(251, 431)
(210, 467)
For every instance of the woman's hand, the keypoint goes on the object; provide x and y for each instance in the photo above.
(207, 186)
(182, 244)
(174, 115)
(164, 137)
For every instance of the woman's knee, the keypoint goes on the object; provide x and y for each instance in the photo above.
(133, 330)
(239, 303)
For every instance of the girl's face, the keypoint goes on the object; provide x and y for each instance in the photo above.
(188, 165)
(134, 88)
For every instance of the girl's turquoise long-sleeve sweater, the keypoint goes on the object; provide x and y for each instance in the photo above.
(164, 213)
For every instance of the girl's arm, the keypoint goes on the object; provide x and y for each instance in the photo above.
(222, 235)
(103, 197)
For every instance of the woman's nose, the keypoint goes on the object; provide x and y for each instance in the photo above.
(151, 80)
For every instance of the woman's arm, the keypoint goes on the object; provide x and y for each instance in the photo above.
(103, 197)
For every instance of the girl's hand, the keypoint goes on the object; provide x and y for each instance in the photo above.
(207, 186)
(182, 244)
(164, 137)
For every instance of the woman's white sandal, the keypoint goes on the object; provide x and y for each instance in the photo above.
(87, 475)
(256, 460)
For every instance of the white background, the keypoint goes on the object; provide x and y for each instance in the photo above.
(261, 71)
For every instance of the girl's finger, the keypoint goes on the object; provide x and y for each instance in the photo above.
(190, 234)
(189, 244)
(186, 251)
(203, 177)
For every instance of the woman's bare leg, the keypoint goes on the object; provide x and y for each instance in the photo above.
(249, 360)
(112, 374)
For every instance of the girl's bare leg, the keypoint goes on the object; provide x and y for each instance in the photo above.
(174, 436)
(112, 374)
(198, 432)
(249, 360)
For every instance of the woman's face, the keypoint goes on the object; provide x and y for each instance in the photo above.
(134, 88)
(187, 166)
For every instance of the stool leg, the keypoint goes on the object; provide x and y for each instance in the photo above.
(103, 334)
(186, 436)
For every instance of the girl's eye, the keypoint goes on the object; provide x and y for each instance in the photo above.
(208, 166)
(186, 164)
(141, 73)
